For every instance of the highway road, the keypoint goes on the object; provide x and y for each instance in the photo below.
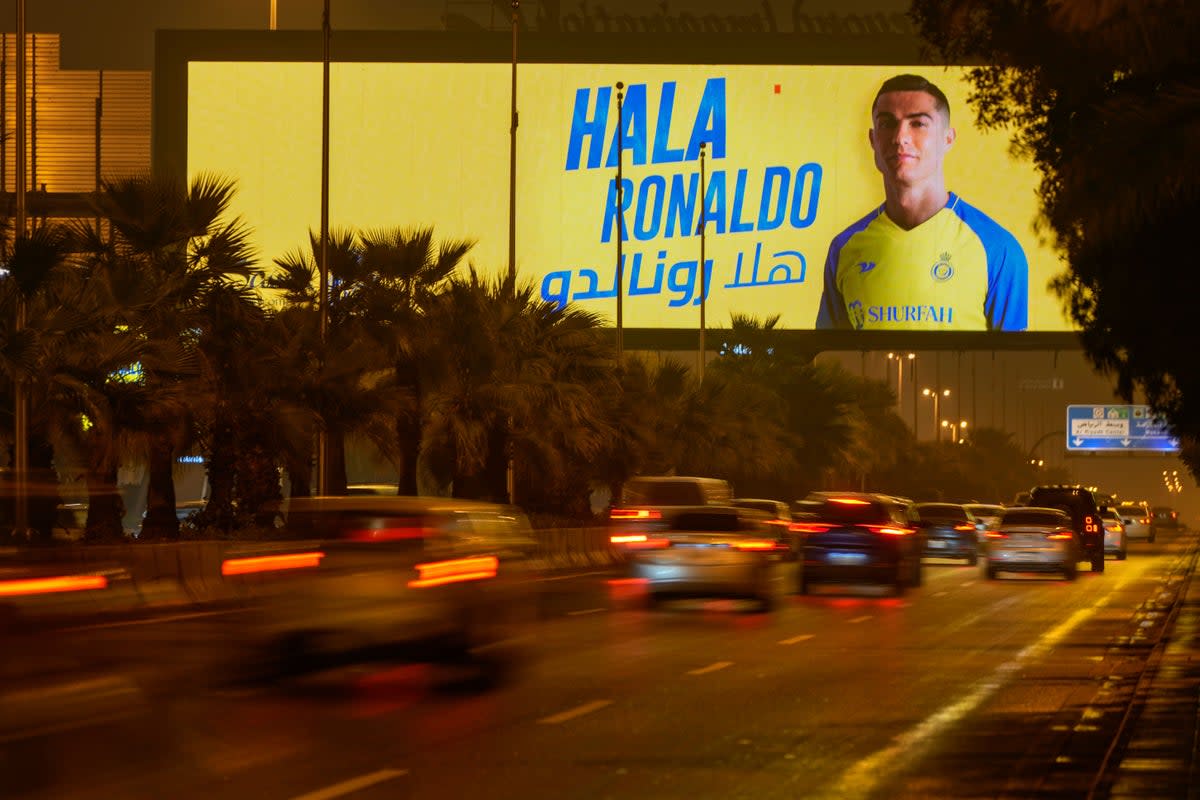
(963, 687)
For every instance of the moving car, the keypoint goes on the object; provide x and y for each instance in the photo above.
(1030, 539)
(1164, 518)
(714, 552)
(949, 531)
(651, 503)
(857, 538)
(1115, 542)
(986, 513)
(1080, 504)
(778, 515)
(1138, 521)
(398, 578)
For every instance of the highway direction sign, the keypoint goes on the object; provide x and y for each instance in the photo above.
(1116, 428)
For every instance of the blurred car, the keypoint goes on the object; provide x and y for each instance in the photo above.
(1138, 521)
(857, 538)
(411, 578)
(1164, 518)
(1031, 539)
(651, 503)
(714, 552)
(1081, 505)
(1115, 541)
(778, 516)
(949, 531)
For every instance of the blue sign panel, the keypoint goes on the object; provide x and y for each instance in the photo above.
(1112, 428)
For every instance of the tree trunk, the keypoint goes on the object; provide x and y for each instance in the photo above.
(222, 472)
(162, 520)
(105, 507)
(335, 454)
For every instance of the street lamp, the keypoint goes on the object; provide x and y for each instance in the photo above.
(621, 221)
(958, 429)
(937, 395)
(900, 359)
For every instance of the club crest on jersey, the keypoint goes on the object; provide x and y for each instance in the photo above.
(943, 270)
(857, 315)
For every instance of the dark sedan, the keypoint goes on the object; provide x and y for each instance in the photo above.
(950, 531)
(856, 538)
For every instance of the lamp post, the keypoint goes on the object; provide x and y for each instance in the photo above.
(937, 395)
(620, 221)
(956, 430)
(900, 359)
(323, 300)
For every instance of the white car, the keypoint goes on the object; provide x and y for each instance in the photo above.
(1115, 541)
(1030, 539)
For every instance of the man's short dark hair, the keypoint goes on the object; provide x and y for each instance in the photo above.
(914, 83)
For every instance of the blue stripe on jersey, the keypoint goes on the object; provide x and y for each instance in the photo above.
(833, 313)
(1007, 302)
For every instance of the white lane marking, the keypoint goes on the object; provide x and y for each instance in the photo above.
(940, 594)
(804, 637)
(710, 668)
(857, 620)
(862, 779)
(353, 785)
(585, 611)
(572, 713)
(968, 584)
(151, 621)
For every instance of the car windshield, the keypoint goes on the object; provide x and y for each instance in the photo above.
(663, 493)
(946, 511)
(985, 511)
(1130, 510)
(769, 506)
(1030, 517)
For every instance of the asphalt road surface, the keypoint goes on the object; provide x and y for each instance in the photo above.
(961, 688)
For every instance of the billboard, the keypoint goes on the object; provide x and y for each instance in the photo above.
(788, 174)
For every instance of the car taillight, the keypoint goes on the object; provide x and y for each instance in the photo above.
(809, 527)
(52, 585)
(639, 541)
(245, 566)
(888, 530)
(1145, 520)
(996, 534)
(849, 501)
(386, 534)
(755, 544)
(634, 513)
(1059, 536)
(455, 570)
(964, 527)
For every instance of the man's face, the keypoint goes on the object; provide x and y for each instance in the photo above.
(910, 137)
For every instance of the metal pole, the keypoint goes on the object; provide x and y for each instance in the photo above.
(916, 401)
(323, 300)
(20, 398)
(620, 222)
(273, 15)
(703, 287)
(512, 156)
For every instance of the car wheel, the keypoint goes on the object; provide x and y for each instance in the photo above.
(918, 574)
(992, 572)
(802, 584)
(653, 600)
(1120, 555)
(900, 585)
(973, 559)
(1150, 538)
(1070, 572)
(763, 603)
(1098, 562)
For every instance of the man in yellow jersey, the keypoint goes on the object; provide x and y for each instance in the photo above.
(925, 259)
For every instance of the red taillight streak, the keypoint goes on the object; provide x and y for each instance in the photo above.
(996, 535)
(889, 530)
(964, 527)
(60, 583)
(627, 538)
(456, 570)
(649, 544)
(386, 534)
(849, 501)
(809, 527)
(1059, 536)
(755, 545)
(244, 566)
(634, 513)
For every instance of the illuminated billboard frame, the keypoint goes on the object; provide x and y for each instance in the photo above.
(675, 100)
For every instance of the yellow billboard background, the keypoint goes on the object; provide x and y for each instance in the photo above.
(416, 144)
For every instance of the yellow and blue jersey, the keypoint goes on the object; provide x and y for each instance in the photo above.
(959, 270)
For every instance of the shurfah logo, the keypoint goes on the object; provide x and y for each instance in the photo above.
(857, 315)
(943, 270)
